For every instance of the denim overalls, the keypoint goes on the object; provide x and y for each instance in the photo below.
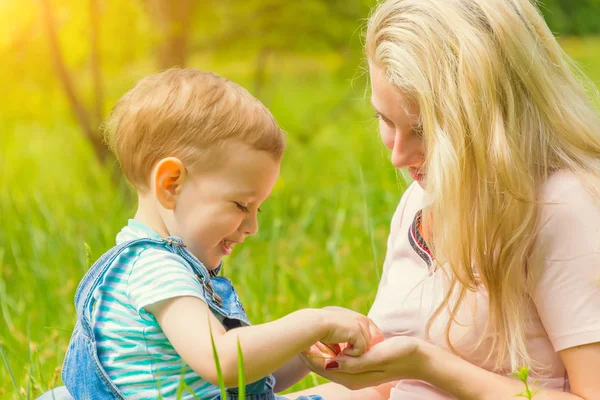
(83, 373)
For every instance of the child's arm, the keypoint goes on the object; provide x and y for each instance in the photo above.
(296, 369)
(292, 372)
(266, 347)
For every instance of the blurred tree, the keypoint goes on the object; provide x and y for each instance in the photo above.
(266, 28)
(99, 47)
(78, 107)
(172, 17)
(173, 20)
(259, 29)
(95, 51)
(572, 17)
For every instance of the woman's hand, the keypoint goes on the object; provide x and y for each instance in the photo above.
(355, 332)
(399, 357)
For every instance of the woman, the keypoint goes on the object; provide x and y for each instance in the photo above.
(493, 258)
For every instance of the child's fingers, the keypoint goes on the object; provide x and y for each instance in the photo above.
(312, 350)
(329, 348)
(353, 351)
(357, 348)
(361, 343)
(376, 335)
(365, 324)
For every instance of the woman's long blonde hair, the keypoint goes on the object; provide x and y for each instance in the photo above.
(501, 108)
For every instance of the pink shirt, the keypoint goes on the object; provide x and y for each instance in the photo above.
(564, 310)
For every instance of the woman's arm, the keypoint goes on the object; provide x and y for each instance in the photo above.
(398, 358)
(464, 380)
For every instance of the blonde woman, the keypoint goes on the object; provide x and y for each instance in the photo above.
(493, 258)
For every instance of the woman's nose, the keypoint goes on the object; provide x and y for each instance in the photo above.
(406, 151)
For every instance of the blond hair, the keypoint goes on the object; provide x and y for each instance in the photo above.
(501, 109)
(183, 113)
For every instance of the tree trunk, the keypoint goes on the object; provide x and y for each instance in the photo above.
(173, 21)
(96, 70)
(77, 106)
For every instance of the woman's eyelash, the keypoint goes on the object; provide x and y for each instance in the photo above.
(382, 118)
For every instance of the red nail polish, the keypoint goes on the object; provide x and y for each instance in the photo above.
(332, 365)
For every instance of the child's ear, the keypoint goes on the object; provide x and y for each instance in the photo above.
(168, 178)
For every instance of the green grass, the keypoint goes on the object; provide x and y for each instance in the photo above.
(586, 51)
(321, 241)
(530, 389)
(217, 363)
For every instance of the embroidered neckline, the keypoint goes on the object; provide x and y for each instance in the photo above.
(418, 243)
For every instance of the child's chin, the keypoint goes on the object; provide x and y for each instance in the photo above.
(214, 263)
(210, 263)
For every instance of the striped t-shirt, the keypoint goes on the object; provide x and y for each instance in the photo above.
(132, 347)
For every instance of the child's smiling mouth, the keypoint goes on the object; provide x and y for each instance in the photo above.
(227, 246)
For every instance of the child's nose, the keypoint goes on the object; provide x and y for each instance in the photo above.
(249, 226)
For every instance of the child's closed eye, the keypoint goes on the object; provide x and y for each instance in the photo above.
(241, 206)
(244, 208)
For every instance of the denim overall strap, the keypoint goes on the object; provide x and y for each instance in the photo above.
(221, 295)
(91, 280)
(176, 245)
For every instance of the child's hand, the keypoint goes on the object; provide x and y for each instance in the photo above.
(355, 330)
(330, 350)
(376, 336)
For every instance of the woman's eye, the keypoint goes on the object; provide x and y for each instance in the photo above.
(241, 207)
(382, 118)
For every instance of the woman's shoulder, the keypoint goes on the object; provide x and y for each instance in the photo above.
(567, 196)
(569, 216)
(565, 260)
(564, 186)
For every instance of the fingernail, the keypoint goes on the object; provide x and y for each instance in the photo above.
(332, 365)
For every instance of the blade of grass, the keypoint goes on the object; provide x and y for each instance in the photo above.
(189, 389)
(10, 372)
(368, 224)
(241, 376)
(183, 386)
(217, 364)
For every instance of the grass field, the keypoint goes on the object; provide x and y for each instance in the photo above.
(321, 241)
